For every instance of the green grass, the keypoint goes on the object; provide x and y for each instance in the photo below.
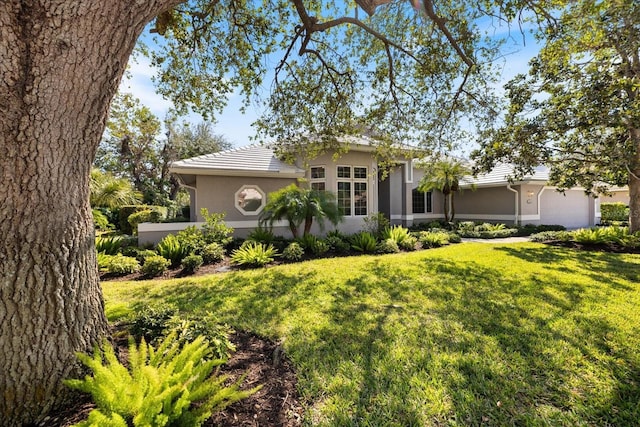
(520, 334)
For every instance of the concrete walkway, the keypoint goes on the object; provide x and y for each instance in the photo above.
(502, 240)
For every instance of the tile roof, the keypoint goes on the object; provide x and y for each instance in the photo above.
(249, 159)
(501, 173)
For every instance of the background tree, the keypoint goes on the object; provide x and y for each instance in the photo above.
(62, 64)
(134, 148)
(578, 110)
(107, 191)
(445, 176)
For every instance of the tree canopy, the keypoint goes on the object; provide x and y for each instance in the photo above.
(578, 109)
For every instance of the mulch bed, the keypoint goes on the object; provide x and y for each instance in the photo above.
(262, 362)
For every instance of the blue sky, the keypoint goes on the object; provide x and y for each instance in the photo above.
(236, 127)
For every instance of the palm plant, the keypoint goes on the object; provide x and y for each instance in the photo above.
(110, 192)
(298, 205)
(445, 176)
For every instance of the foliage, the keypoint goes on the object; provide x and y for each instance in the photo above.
(578, 108)
(364, 242)
(444, 175)
(440, 334)
(143, 254)
(376, 224)
(261, 235)
(109, 245)
(216, 335)
(139, 217)
(135, 149)
(100, 220)
(529, 229)
(172, 249)
(338, 244)
(488, 230)
(298, 205)
(154, 265)
(170, 385)
(397, 233)
(214, 229)
(118, 264)
(614, 212)
(150, 321)
(253, 254)
(293, 252)
(126, 211)
(388, 246)
(192, 239)
(212, 253)
(311, 244)
(191, 263)
(549, 236)
(110, 192)
(433, 239)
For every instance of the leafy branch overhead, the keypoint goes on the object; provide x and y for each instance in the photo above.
(407, 70)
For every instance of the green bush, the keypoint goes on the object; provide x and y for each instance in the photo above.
(143, 254)
(293, 252)
(589, 236)
(212, 253)
(170, 385)
(214, 229)
(147, 215)
(191, 239)
(261, 235)
(100, 220)
(396, 233)
(171, 248)
(550, 236)
(433, 239)
(613, 212)
(388, 246)
(364, 242)
(376, 224)
(118, 264)
(217, 335)
(409, 244)
(126, 211)
(338, 244)
(155, 265)
(191, 263)
(253, 254)
(109, 245)
(454, 237)
(150, 321)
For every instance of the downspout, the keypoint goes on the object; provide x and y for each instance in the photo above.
(517, 204)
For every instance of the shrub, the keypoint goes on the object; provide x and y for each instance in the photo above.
(150, 321)
(338, 244)
(143, 254)
(171, 248)
(147, 215)
(454, 237)
(192, 263)
(614, 212)
(118, 264)
(261, 235)
(253, 254)
(214, 229)
(212, 253)
(191, 239)
(409, 244)
(126, 211)
(589, 236)
(100, 220)
(155, 265)
(216, 334)
(103, 260)
(433, 239)
(109, 245)
(388, 246)
(376, 224)
(364, 242)
(172, 385)
(549, 236)
(293, 252)
(396, 233)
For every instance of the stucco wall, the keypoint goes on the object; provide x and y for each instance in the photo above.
(217, 194)
(488, 203)
(618, 196)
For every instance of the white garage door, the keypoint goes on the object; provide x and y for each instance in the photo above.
(570, 209)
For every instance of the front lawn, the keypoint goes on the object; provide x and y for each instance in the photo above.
(471, 334)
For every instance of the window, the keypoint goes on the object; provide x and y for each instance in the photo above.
(319, 186)
(421, 201)
(250, 200)
(352, 190)
(317, 172)
(344, 198)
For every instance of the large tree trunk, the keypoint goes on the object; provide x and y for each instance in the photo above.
(61, 65)
(634, 184)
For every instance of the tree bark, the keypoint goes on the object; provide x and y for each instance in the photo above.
(634, 184)
(61, 64)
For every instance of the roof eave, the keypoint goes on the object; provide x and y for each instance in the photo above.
(238, 172)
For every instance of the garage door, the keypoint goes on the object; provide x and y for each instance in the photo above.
(570, 209)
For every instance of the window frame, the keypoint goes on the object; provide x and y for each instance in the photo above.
(244, 212)
(353, 182)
